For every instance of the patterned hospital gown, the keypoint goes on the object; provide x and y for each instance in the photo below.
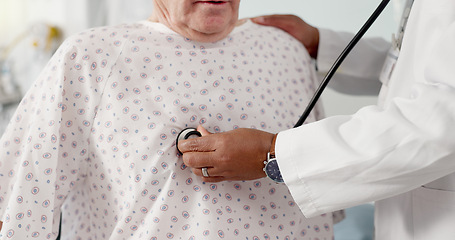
(94, 138)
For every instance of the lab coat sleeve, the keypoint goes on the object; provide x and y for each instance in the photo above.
(359, 73)
(376, 153)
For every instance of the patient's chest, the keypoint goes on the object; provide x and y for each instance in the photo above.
(154, 93)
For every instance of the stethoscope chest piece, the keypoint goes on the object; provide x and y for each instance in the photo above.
(186, 134)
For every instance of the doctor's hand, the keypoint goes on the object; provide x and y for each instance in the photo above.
(299, 29)
(229, 156)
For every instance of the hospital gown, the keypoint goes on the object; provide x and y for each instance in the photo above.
(94, 138)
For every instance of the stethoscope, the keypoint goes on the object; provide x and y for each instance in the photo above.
(192, 132)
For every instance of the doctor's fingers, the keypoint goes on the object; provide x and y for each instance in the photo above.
(294, 25)
(222, 168)
(214, 175)
(199, 159)
(200, 144)
(216, 165)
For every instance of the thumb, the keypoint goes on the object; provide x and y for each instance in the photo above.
(203, 131)
(260, 20)
(280, 21)
(264, 20)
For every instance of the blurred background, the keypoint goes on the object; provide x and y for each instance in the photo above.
(31, 30)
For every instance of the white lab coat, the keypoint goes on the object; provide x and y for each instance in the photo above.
(400, 153)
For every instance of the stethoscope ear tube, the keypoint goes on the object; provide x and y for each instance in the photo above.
(339, 60)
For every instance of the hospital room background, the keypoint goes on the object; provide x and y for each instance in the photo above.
(31, 30)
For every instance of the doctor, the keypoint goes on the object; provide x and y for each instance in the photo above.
(400, 153)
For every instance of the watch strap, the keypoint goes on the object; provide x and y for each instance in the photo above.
(271, 168)
(272, 146)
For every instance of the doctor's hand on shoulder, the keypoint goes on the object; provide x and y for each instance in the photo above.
(229, 156)
(296, 27)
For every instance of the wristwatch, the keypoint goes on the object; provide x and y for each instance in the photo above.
(271, 168)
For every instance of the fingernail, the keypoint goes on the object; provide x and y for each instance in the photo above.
(259, 19)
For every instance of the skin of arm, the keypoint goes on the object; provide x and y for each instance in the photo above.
(240, 154)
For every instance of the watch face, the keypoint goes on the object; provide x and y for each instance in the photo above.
(273, 171)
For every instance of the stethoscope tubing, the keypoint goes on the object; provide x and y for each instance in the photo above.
(187, 132)
(339, 60)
